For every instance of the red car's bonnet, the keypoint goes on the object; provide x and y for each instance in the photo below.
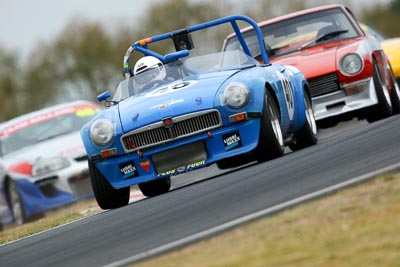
(319, 60)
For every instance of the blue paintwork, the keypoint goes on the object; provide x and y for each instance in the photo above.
(203, 94)
(33, 200)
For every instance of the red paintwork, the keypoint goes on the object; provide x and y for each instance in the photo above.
(324, 59)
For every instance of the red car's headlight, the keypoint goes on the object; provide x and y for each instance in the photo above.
(351, 64)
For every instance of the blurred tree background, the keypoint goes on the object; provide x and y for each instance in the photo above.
(86, 59)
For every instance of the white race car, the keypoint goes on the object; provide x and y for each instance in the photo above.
(44, 161)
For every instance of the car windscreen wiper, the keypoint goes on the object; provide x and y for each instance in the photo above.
(324, 37)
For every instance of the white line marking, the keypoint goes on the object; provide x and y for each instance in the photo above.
(250, 217)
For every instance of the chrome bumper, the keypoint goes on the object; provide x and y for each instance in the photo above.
(352, 97)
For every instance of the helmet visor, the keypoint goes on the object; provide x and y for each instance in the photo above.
(147, 75)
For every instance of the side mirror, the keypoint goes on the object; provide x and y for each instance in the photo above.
(103, 97)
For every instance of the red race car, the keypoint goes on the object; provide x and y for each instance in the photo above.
(348, 71)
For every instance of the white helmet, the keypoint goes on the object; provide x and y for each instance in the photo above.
(148, 68)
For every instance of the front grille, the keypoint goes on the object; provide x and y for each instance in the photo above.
(182, 126)
(324, 85)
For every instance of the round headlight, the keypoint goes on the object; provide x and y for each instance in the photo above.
(102, 132)
(351, 64)
(48, 165)
(236, 95)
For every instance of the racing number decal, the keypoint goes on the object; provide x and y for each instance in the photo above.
(288, 93)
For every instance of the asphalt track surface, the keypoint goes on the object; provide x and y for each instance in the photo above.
(208, 198)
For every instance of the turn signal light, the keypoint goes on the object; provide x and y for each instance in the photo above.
(238, 117)
(106, 153)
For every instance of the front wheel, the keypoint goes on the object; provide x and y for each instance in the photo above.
(384, 107)
(395, 94)
(307, 135)
(107, 196)
(155, 187)
(17, 204)
(270, 143)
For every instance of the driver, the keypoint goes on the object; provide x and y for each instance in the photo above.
(148, 72)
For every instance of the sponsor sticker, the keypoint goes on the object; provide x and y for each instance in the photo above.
(288, 93)
(135, 117)
(183, 169)
(171, 88)
(232, 140)
(168, 103)
(199, 101)
(145, 165)
(128, 170)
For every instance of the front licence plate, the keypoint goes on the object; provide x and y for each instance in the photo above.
(180, 158)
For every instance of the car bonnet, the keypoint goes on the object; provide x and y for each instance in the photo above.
(319, 60)
(192, 94)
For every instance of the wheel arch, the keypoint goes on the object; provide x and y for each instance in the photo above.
(268, 87)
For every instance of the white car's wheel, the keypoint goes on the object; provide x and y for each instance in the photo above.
(16, 204)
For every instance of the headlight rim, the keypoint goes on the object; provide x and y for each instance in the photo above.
(344, 71)
(109, 139)
(246, 97)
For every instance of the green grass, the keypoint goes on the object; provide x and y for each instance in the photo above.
(50, 220)
(358, 226)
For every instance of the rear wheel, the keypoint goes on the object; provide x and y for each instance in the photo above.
(384, 107)
(270, 143)
(155, 187)
(307, 135)
(107, 196)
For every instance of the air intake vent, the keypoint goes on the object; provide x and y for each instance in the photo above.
(324, 85)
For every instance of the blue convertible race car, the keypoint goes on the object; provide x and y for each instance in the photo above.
(187, 109)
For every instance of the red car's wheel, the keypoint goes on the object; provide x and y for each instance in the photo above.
(395, 94)
(384, 107)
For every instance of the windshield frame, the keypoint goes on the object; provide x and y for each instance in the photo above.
(187, 68)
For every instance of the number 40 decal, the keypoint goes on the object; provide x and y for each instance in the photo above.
(288, 93)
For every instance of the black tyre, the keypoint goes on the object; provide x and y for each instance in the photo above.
(155, 187)
(270, 143)
(395, 94)
(107, 196)
(17, 205)
(327, 123)
(384, 107)
(235, 161)
(307, 135)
